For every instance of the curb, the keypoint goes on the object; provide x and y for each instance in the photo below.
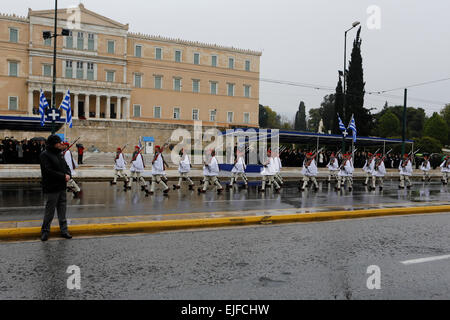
(158, 226)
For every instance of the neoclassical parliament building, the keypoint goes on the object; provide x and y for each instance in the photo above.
(123, 85)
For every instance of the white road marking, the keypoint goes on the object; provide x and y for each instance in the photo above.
(429, 259)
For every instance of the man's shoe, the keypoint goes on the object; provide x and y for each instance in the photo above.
(219, 191)
(381, 188)
(409, 187)
(77, 195)
(44, 236)
(166, 191)
(112, 182)
(191, 187)
(66, 235)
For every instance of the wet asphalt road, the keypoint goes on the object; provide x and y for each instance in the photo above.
(326, 260)
(25, 201)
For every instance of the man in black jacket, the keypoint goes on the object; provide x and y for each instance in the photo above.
(55, 174)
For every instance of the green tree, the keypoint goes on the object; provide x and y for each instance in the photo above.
(437, 128)
(388, 125)
(328, 113)
(262, 116)
(338, 107)
(429, 145)
(300, 118)
(314, 119)
(415, 120)
(445, 113)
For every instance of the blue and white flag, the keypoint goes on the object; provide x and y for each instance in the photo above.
(140, 143)
(352, 126)
(66, 106)
(342, 126)
(43, 104)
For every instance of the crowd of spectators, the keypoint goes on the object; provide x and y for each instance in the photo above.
(26, 151)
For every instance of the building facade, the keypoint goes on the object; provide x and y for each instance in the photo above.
(118, 76)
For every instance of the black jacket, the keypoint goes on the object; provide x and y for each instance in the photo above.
(53, 169)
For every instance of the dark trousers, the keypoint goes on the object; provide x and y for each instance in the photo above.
(58, 201)
(80, 159)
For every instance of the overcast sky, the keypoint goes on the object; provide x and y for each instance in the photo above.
(302, 41)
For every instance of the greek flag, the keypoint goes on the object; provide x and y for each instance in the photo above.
(43, 104)
(140, 143)
(342, 127)
(65, 105)
(352, 127)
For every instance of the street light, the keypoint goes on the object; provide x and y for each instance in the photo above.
(49, 35)
(354, 25)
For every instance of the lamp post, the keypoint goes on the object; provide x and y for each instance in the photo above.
(49, 35)
(354, 25)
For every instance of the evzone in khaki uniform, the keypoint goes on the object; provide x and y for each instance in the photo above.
(368, 167)
(210, 172)
(238, 170)
(378, 173)
(277, 168)
(268, 173)
(158, 170)
(426, 167)
(333, 167)
(184, 167)
(345, 173)
(71, 184)
(406, 171)
(138, 167)
(119, 167)
(445, 170)
(309, 172)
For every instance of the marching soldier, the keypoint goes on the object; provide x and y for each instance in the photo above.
(333, 167)
(277, 167)
(406, 171)
(211, 171)
(238, 170)
(309, 171)
(445, 169)
(379, 172)
(345, 173)
(426, 167)
(184, 167)
(158, 168)
(137, 167)
(368, 167)
(267, 173)
(119, 167)
(71, 184)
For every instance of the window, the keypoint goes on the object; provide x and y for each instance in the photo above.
(177, 56)
(136, 111)
(212, 115)
(80, 70)
(13, 103)
(111, 46)
(230, 89)
(48, 42)
(214, 61)
(231, 63)
(110, 76)
(195, 86)
(69, 69)
(196, 58)
(195, 114)
(247, 65)
(80, 41)
(246, 117)
(138, 51)
(158, 54)
(90, 71)
(69, 40)
(213, 87)
(247, 91)
(177, 84)
(230, 116)
(91, 42)
(176, 113)
(138, 80)
(13, 69)
(47, 70)
(158, 82)
(157, 112)
(13, 35)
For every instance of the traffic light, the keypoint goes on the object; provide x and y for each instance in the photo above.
(65, 32)
(47, 35)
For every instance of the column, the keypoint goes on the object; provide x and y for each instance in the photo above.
(75, 106)
(108, 107)
(30, 102)
(86, 106)
(119, 108)
(126, 108)
(97, 107)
